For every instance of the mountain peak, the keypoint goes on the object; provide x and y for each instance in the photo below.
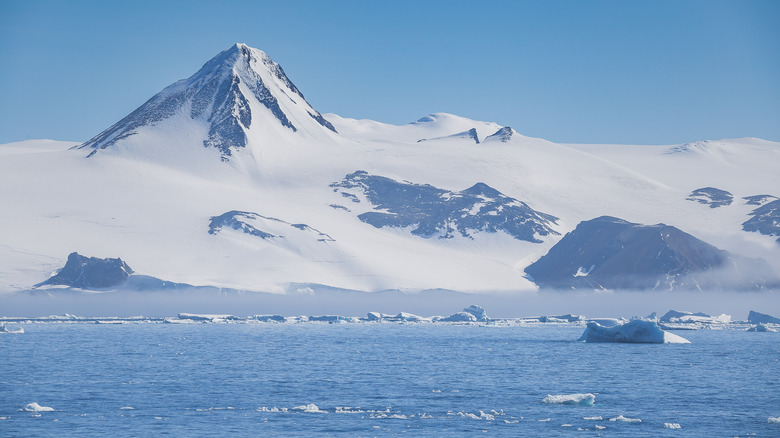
(239, 90)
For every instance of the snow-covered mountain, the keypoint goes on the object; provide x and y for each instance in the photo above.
(230, 178)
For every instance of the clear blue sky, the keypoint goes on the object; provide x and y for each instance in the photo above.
(653, 72)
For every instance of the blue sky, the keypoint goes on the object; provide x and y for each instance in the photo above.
(655, 72)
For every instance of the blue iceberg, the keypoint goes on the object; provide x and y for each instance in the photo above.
(637, 331)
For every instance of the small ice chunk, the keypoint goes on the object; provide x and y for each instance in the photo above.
(310, 408)
(773, 420)
(593, 418)
(35, 407)
(636, 331)
(600, 427)
(127, 408)
(622, 419)
(6, 329)
(570, 399)
(546, 420)
(672, 426)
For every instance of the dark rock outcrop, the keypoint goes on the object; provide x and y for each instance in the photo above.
(432, 211)
(761, 318)
(765, 220)
(610, 253)
(711, 196)
(90, 273)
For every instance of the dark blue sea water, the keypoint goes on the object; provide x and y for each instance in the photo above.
(379, 380)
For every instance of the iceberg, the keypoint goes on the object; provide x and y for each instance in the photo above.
(622, 419)
(270, 318)
(35, 407)
(478, 312)
(756, 318)
(460, 317)
(208, 317)
(570, 399)
(636, 331)
(310, 408)
(761, 328)
(773, 420)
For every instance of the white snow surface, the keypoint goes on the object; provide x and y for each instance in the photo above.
(150, 198)
(637, 331)
(571, 399)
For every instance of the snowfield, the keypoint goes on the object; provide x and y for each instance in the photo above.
(151, 196)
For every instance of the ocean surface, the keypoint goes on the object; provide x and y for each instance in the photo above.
(380, 379)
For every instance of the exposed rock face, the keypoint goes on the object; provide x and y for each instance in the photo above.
(220, 95)
(91, 272)
(610, 253)
(760, 318)
(711, 196)
(432, 211)
(249, 223)
(503, 135)
(765, 220)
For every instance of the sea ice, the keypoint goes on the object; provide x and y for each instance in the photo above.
(6, 329)
(773, 420)
(571, 399)
(207, 317)
(460, 317)
(622, 419)
(672, 426)
(636, 331)
(310, 408)
(761, 328)
(35, 407)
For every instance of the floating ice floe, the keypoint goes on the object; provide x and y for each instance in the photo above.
(593, 418)
(310, 408)
(773, 420)
(636, 331)
(35, 407)
(600, 427)
(208, 317)
(269, 318)
(622, 419)
(571, 399)
(672, 426)
(684, 317)
(14, 330)
(760, 327)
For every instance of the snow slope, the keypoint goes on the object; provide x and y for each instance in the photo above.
(149, 197)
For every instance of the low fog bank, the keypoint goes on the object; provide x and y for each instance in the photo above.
(326, 301)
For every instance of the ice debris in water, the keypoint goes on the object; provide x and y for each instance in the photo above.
(672, 426)
(6, 329)
(35, 407)
(310, 408)
(773, 420)
(636, 331)
(622, 419)
(760, 327)
(570, 399)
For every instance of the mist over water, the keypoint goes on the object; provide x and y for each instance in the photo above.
(326, 301)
